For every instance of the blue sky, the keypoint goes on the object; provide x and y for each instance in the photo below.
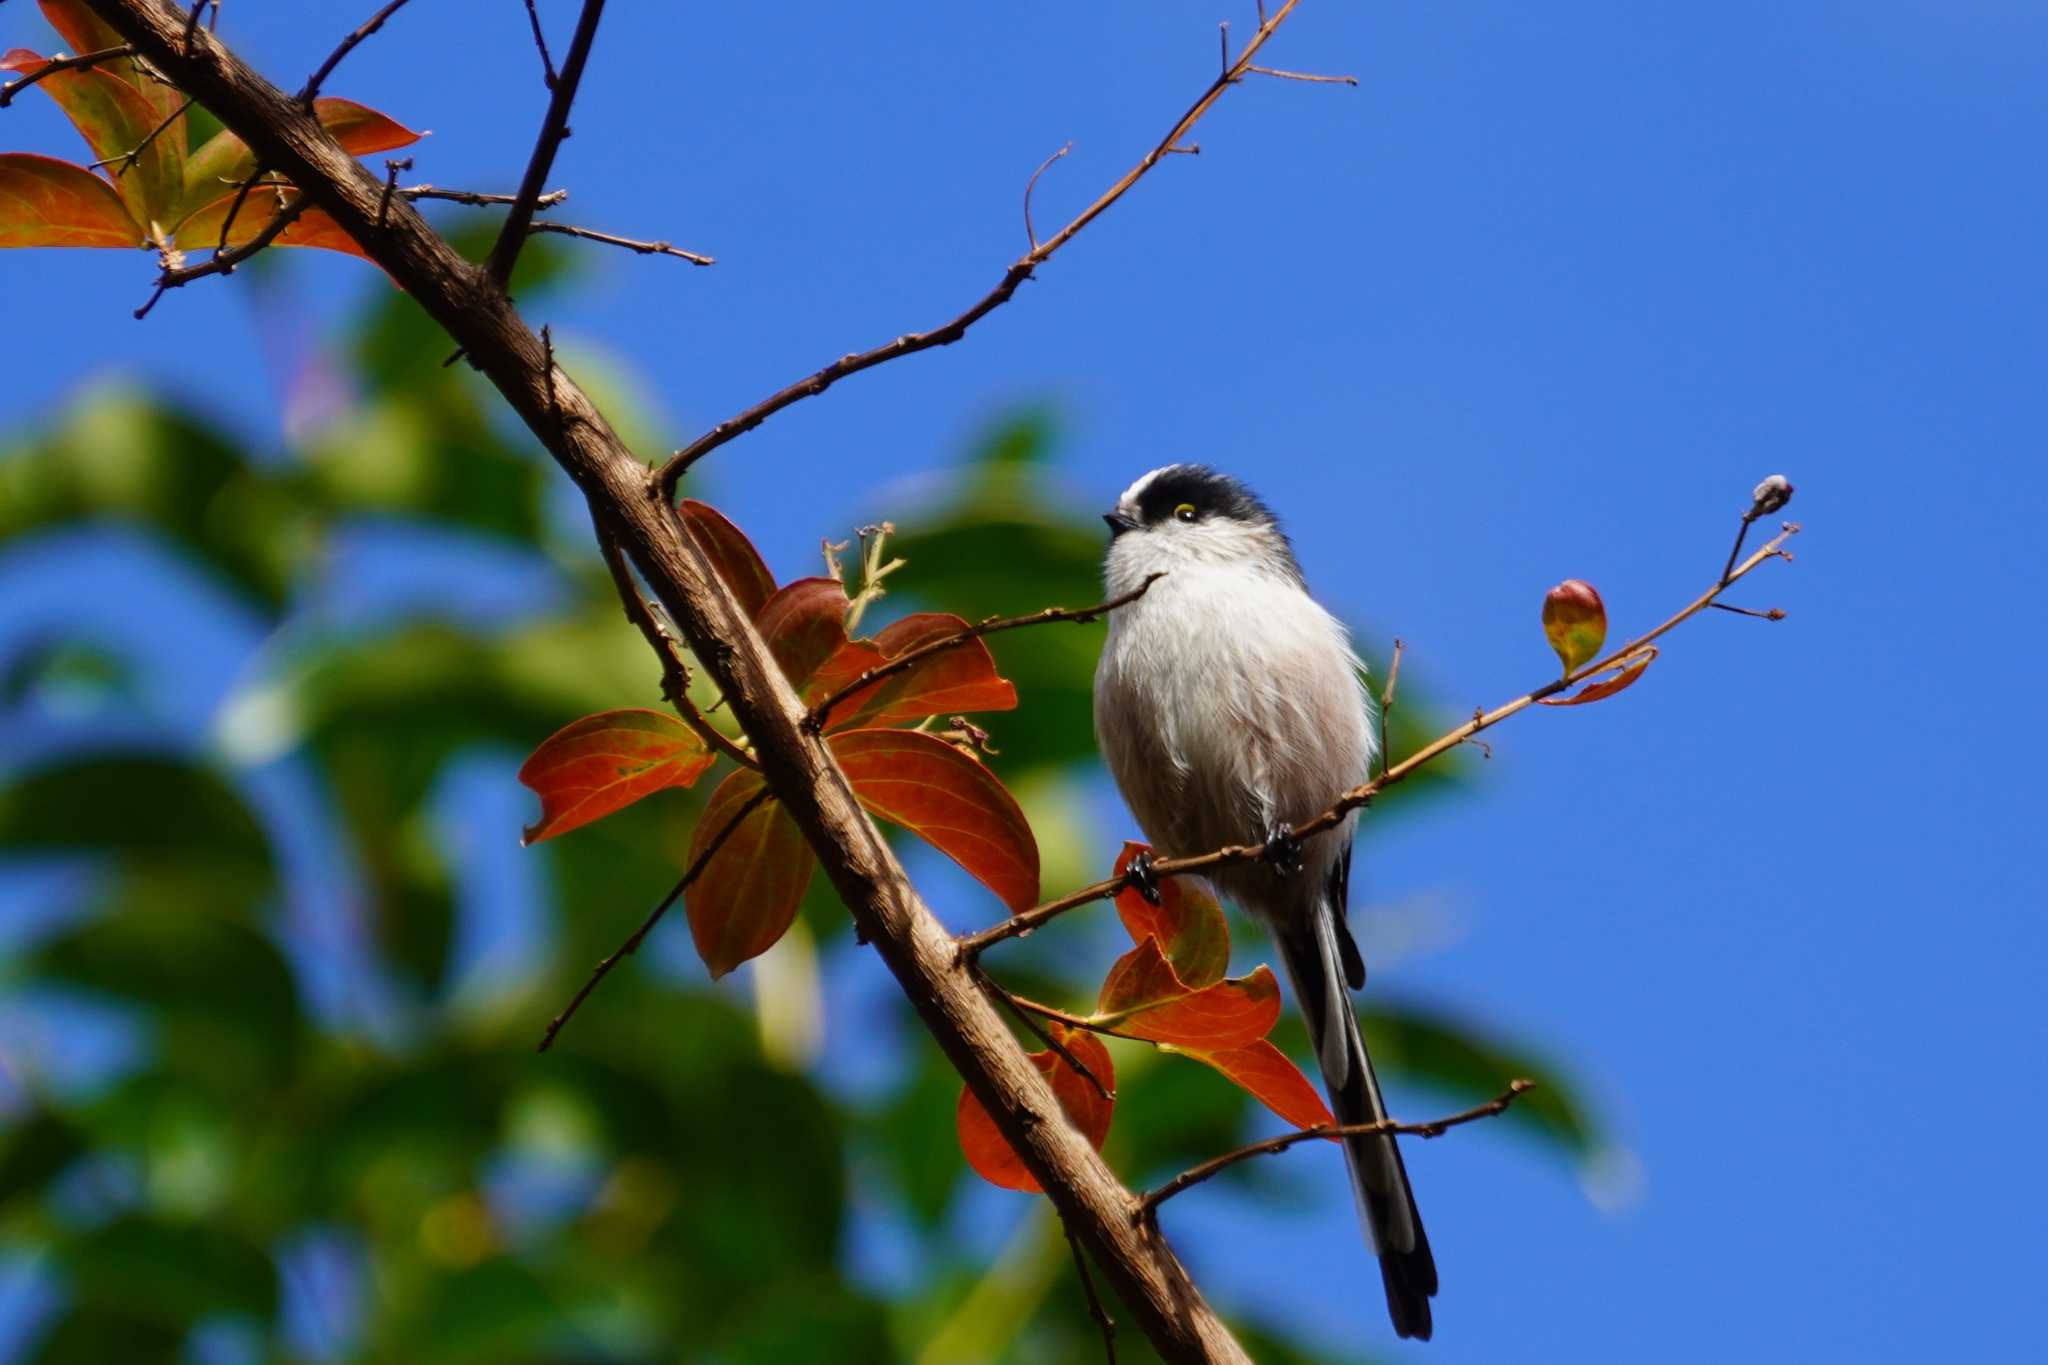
(1541, 298)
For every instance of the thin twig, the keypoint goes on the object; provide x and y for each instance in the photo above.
(134, 154)
(1015, 276)
(644, 248)
(392, 166)
(477, 199)
(1387, 703)
(815, 720)
(639, 936)
(1149, 1202)
(192, 20)
(675, 671)
(971, 945)
(57, 64)
(1024, 1017)
(242, 192)
(1302, 76)
(1103, 1320)
(224, 262)
(540, 41)
(348, 45)
(554, 127)
(1067, 1018)
(1773, 614)
(1031, 233)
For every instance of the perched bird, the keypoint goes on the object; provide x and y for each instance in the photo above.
(1230, 707)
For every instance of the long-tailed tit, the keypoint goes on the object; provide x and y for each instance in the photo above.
(1230, 707)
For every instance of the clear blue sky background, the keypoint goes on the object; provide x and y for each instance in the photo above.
(1541, 298)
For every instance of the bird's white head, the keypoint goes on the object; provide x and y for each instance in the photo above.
(1184, 516)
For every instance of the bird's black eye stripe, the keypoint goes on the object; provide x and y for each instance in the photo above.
(1192, 492)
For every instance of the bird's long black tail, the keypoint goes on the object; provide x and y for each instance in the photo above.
(1316, 964)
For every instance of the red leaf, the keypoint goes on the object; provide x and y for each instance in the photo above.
(1272, 1080)
(201, 232)
(47, 202)
(1607, 688)
(1143, 997)
(115, 118)
(991, 1155)
(223, 161)
(948, 800)
(747, 895)
(731, 553)
(1188, 923)
(804, 624)
(606, 762)
(86, 32)
(959, 679)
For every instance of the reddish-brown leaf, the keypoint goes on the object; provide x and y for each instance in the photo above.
(1272, 1080)
(730, 553)
(804, 624)
(201, 232)
(1143, 997)
(606, 762)
(1188, 923)
(85, 32)
(115, 118)
(747, 895)
(1609, 686)
(960, 679)
(991, 1155)
(47, 202)
(224, 161)
(948, 800)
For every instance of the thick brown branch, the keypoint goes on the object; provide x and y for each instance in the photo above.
(57, 64)
(609, 239)
(311, 90)
(1018, 272)
(1148, 1204)
(554, 127)
(639, 936)
(815, 721)
(1018, 925)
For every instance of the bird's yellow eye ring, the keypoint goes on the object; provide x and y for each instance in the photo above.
(1186, 511)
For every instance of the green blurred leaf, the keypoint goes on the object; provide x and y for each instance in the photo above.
(174, 1273)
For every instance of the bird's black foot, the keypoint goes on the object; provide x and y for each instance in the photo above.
(1142, 879)
(1283, 850)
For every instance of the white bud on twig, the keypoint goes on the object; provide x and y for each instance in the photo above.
(1770, 495)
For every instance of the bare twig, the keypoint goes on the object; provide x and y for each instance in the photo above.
(1020, 271)
(969, 946)
(1387, 702)
(1103, 1320)
(1773, 614)
(477, 199)
(1302, 76)
(547, 64)
(392, 166)
(192, 20)
(58, 64)
(1024, 1013)
(815, 721)
(311, 89)
(1031, 233)
(639, 936)
(675, 670)
(224, 262)
(644, 248)
(1067, 1018)
(134, 154)
(242, 193)
(1149, 1202)
(554, 127)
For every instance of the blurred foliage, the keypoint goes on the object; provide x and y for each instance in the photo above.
(321, 1140)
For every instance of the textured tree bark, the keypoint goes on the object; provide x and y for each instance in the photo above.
(1140, 1266)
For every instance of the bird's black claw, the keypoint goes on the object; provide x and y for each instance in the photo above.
(1283, 851)
(1142, 878)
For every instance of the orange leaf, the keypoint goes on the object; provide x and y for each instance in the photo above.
(948, 800)
(201, 232)
(1143, 997)
(606, 762)
(991, 1155)
(47, 202)
(223, 161)
(1272, 1080)
(115, 118)
(804, 624)
(747, 895)
(1608, 688)
(962, 678)
(731, 553)
(1187, 922)
(86, 32)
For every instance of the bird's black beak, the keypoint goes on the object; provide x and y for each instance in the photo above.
(1119, 523)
